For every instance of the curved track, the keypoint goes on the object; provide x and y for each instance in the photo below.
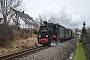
(23, 53)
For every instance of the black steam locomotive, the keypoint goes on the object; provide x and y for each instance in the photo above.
(53, 33)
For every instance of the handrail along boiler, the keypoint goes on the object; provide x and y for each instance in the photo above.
(53, 33)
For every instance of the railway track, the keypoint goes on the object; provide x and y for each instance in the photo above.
(23, 53)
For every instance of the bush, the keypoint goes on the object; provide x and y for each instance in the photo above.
(6, 35)
(26, 35)
(35, 31)
(4, 41)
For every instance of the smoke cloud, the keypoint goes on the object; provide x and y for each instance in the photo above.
(64, 15)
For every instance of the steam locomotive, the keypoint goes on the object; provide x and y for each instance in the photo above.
(53, 33)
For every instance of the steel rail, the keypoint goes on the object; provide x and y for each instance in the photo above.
(23, 53)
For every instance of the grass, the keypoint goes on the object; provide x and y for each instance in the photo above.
(2, 52)
(79, 53)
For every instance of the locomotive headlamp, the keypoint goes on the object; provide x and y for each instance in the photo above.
(46, 35)
(39, 35)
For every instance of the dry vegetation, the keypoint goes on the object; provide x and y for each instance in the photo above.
(12, 40)
(18, 45)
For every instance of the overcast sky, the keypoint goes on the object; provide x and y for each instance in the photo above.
(72, 12)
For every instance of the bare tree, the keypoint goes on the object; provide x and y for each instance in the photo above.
(77, 30)
(5, 9)
(40, 19)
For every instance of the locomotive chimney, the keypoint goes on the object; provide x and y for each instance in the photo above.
(23, 12)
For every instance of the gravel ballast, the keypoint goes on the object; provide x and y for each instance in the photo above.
(60, 52)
